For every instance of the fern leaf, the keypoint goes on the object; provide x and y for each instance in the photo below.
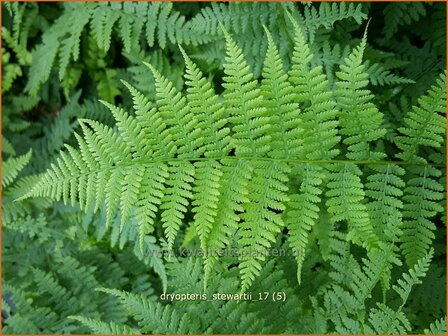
(378, 75)
(162, 19)
(103, 20)
(12, 167)
(345, 203)
(43, 59)
(244, 104)
(319, 124)
(303, 212)
(129, 129)
(421, 197)
(233, 194)
(201, 97)
(206, 191)
(401, 14)
(100, 327)
(152, 317)
(385, 320)
(126, 31)
(175, 199)
(374, 267)
(437, 327)
(154, 137)
(7, 147)
(282, 110)
(151, 23)
(425, 124)
(384, 188)
(341, 260)
(360, 120)
(419, 270)
(261, 220)
(150, 197)
(10, 73)
(171, 105)
(70, 46)
(328, 14)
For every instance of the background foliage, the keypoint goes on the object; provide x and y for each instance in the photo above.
(66, 269)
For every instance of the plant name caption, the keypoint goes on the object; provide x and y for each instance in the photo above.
(248, 296)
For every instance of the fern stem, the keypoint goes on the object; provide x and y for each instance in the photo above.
(360, 162)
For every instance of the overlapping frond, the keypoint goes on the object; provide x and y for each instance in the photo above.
(262, 221)
(421, 202)
(424, 128)
(100, 327)
(437, 327)
(346, 203)
(425, 124)
(156, 22)
(12, 167)
(303, 210)
(152, 317)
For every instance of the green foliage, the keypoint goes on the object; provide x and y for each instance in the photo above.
(293, 149)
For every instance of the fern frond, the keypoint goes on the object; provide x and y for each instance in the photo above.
(401, 14)
(70, 46)
(100, 327)
(303, 211)
(328, 14)
(309, 83)
(62, 41)
(207, 108)
(27, 225)
(156, 138)
(425, 127)
(385, 320)
(360, 120)
(43, 59)
(233, 195)
(341, 259)
(378, 75)
(103, 19)
(172, 104)
(283, 111)
(404, 286)
(437, 327)
(7, 147)
(206, 191)
(345, 203)
(244, 104)
(10, 73)
(388, 321)
(372, 271)
(421, 197)
(261, 220)
(318, 117)
(425, 124)
(12, 167)
(152, 317)
(224, 164)
(176, 198)
(384, 188)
